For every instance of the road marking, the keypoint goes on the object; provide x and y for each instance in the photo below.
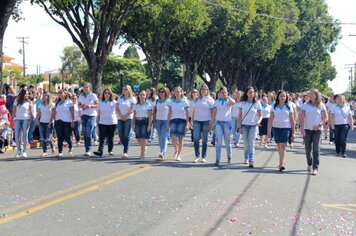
(348, 207)
(74, 195)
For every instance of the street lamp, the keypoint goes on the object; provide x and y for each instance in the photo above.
(121, 75)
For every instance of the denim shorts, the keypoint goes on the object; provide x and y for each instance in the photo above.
(177, 127)
(141, 129)
(281, 134)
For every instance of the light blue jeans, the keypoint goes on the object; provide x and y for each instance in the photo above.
(88, 124)
(21, 125)
(161, 126)
(222, 129)
(200, 131)
(249, 136)
(235, 131)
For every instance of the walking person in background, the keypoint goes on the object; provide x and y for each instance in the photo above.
(160, 115)
(63, 114)
(43, 118)
(266, 112)
(22, 113)
(178, 121)
(77, 121)
(142, 121)
(201, 117)
(32, 100)
(107, 109)
(293, 107)
(125, 114)
(250, 116)
(88, 102)
(191, 99)
(221, 122)
(236, 95)
(282, 122)
(312, 118)
(341, 122)
(151, 99)
(330, 105)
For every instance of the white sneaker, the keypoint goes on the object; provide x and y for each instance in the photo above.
(203, 160)
(24, 154)
(178, 158)
(70, 152)
(331, 143)
(310, 170)
(125, 155)
(160, 155)
(197, 159)
(237, 145)
(18, 155)
(315, 172)
(60, 154)
(175, 156)
(87, 154)
(111, 153)
(44, 154)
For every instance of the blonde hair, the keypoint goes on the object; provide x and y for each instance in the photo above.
(201, 88)
(129, 89)
(317, 102)
(181, 91)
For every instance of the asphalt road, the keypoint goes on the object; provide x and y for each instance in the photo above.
(115, 196)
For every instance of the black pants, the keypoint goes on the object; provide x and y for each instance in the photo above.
(341, 132)
(106, 132)
(63, 131)
(3, 143)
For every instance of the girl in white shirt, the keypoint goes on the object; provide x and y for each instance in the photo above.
(282, 121)
(107, 122)
(312, 118)
(77, 120)
(142, 121)
(151, 99)
(178, 121)
(236, 95)
(44, 112)
(266, 112)
(341, 122)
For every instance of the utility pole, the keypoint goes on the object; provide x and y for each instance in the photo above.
(22, 51)
(352, 71)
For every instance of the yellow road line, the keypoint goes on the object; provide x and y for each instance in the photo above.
(347, 207)
(72, 195)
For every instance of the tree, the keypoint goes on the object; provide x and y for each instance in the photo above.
(94, 26)
(7, 8)
(131, 52)
(72, 57)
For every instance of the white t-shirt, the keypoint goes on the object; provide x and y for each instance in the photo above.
(330, 106)
(125, 104)
(341, 114)
(223, 110)
(77, 112)
(63, 110)
(178, 108)
(142, 109)
(266, 110)
(23, 111)
(282, 116)
(191, 107)
(107, 110)
(162, 109)
(45, 112)
(312, 115)
(235, 110)
(202, 108)
(251, 117)
(151, 102)
(90, 99)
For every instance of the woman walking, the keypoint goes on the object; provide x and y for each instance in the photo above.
(341, 122)
(22, 115)
(236, 95)
(262, 129)
(160, 115)
(201, 116)
(107, 122)
(221, 121)
(142, 121)
(77, 111)
(250, 116)
(178, 121)
(282, 122)
(125, 114)
(151, 99)
(312, 118)
(44, 112)
(63, 114)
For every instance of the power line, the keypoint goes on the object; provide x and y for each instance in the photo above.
(347, 47)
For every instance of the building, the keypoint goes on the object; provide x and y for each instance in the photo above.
(9, 65)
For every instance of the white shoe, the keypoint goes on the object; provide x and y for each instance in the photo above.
(60, 155)
(197, 159)
(70, 152)
(18, 155)
(310, 170)
(175, 156)
(87, 154)
(266, 146)
(331, 143)
(111, 153)
(160, 155)
(44, 154)
(24, 154)
(203, 160)
(178, 158)
(315, 172)
(125, 155)
(237, 145)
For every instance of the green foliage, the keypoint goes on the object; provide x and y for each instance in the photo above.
(56, 80)
(131, 52)
(72, 57)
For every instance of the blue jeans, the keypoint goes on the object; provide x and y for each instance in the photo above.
(312, 140)
(46, 136)
(331, 135)
(76, 131)
(234, 130)
(31, 129)
(161, 126)
(63, 131)
(200, 131)
(88, 124)
(341, 132)
(124, 128)
(222, 129)
(21, 125)
(152, 133)
(249, 136)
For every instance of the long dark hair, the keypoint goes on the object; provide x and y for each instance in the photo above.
(245, 97)
(103, 97)
(59, 98)
(21, 97)
(153, 94)
(277, 99)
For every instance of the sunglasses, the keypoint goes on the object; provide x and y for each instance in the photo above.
(161, 91)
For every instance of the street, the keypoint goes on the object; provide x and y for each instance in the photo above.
(116, 196)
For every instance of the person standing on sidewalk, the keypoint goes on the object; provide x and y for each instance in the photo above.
(44, 112)
(88, 101)
(312, 118)
(160, 115)
(341, 122)
(201, 116)
(250, 116)
(22, 114)
(221, 122)
(282, 122)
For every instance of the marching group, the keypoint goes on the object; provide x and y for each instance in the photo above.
(170, 114)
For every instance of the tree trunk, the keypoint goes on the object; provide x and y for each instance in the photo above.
(157, 72)
(213, 79)
(190, 71)
(1, 63)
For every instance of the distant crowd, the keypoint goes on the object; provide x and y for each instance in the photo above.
(241, 115)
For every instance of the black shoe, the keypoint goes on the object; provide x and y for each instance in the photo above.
(100, 154)
(212, 143)
(344, 155)
(1, 152)
(251, 165)
(229, 160)
(217, 163)
(282, 168)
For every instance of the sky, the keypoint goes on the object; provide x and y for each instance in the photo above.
(46, 40)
